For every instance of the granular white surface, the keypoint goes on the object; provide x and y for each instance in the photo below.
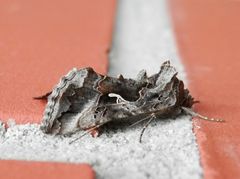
(143, 39)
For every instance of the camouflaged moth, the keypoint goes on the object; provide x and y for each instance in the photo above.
(86, 100)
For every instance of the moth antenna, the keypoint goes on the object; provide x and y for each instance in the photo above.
(192, 113)
(85, 133)
(119, 97)
(145, 126)
(209, 119)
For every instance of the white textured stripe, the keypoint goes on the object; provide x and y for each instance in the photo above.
(143, 40)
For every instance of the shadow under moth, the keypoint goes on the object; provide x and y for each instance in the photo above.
(86, 100)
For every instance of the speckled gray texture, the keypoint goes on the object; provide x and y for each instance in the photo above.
(143, 39)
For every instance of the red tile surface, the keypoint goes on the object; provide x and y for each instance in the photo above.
(208, 36)
(42, 40)
(40, 170)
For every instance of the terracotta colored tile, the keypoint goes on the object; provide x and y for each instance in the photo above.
(208, 35)
(42, 40)
(39, 170)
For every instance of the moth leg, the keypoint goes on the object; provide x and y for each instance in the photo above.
(43, 97)
(135, 123)
(145, 126)
(87, 132)
(194, 114)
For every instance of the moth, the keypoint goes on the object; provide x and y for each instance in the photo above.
(86, 100)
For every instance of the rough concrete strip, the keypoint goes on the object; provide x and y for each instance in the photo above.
(143, 39)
